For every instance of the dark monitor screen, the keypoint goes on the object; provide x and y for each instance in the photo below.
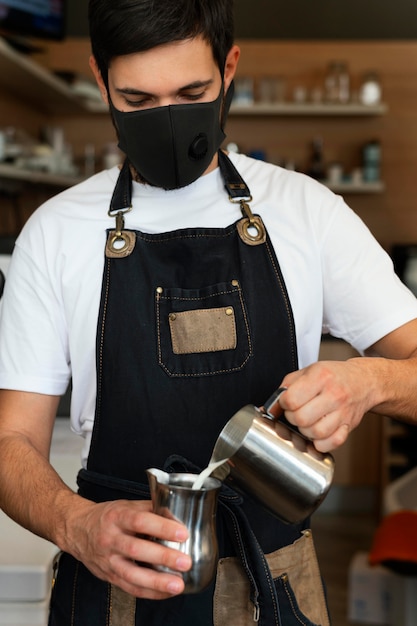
(43, 19)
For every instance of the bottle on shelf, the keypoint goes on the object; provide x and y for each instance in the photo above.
(337, 83)
(244, 91)
(371, 161)
(317, 167)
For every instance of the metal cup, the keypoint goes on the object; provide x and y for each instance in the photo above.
(273, 463)
(173, 497)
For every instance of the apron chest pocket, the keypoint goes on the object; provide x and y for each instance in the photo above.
(202, 332)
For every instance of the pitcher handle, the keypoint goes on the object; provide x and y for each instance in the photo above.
(272, 408)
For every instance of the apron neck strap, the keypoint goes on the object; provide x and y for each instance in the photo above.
(233, 182)
(122, 194)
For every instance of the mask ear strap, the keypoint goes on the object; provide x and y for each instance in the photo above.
(227, 102)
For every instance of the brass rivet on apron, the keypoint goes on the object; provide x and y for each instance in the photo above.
(172, 317)
(229, 311)
(235, 283)
(284, 578)
(159, 290)
(307, 533)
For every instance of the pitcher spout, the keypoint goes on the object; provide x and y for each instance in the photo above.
(156, 477)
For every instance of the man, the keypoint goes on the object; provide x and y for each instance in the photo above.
(121, 284)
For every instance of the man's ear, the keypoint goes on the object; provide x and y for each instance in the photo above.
(230, 67)
(99, 79)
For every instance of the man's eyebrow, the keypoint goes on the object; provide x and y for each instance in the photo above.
(198, 84)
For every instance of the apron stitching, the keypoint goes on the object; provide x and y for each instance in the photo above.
(317, 572)
(243, 555)
(238, 289)
(100, 369)
(222, 371)
(132, 612)
(164, 238)
(249, 573)
(242, 302)
(287, 305)
(268, 577)
(293, 608)
(109, 606)
(213, 295)
(74, 589)
(158, 326)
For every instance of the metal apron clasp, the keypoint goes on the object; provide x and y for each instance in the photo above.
(251, 228)
(120, 242)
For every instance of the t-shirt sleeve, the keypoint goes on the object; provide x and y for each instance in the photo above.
(364, 299)
(33, 339)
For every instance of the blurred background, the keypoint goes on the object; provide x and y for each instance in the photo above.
(326, 88)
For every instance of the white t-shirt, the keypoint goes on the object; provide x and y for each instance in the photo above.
(338, 278)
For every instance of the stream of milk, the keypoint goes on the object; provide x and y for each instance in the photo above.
(199, 481)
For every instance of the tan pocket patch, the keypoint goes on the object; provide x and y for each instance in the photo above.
(122, 608)
(231, 597)
(203, 330)
(298, 561)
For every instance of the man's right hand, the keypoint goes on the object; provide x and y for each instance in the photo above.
(113, 540)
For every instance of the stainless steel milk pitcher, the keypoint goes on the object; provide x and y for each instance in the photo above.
(173, 496)
(272, 462)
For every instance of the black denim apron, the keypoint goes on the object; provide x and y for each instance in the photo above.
(163, 396)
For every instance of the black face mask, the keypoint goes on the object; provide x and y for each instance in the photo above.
(172, 146)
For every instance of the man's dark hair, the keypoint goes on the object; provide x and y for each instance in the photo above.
(119, 27)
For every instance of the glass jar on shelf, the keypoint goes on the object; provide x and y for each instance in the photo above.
(337, 83)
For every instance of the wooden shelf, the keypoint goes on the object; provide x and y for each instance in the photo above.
(31, 82)
(10, 172)
(396, 429)
(93, 106)
(397, 460)
(306, 109)
(14, 173)
(27, 79)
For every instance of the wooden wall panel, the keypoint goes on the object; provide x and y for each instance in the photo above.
(392, 216)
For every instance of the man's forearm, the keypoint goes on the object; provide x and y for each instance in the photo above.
(328, 399)
(395, 387)
(31, 492)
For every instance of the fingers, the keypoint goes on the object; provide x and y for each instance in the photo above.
(328, 432)
(115, 542)
(335, 440)
(142, 549)
(137, 518)
(144, 582)
(322, 404)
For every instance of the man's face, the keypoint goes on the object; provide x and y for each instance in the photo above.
(183, 72)
(176, 73)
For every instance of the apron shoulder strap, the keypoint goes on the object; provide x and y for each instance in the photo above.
(122, 194)
(233, 182)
